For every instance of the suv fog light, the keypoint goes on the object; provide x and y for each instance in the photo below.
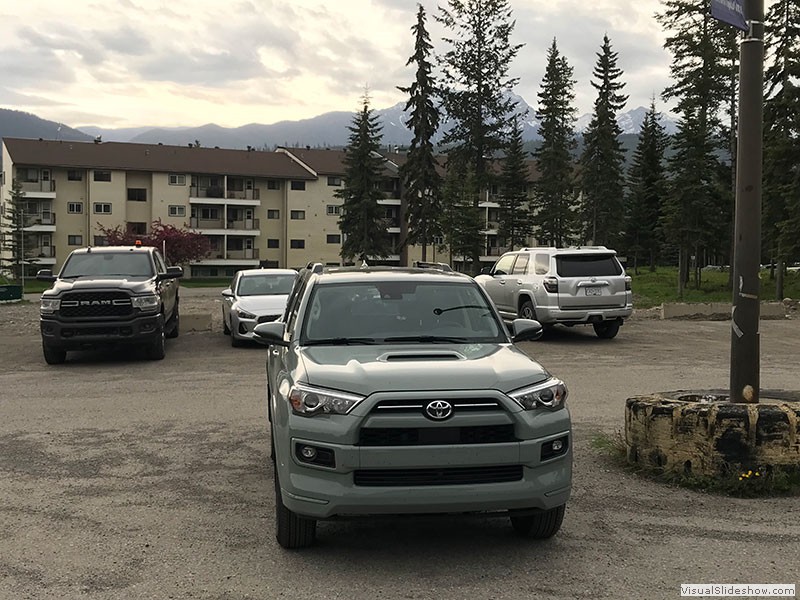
(315, 455)
(555, 448)
(557, 445)
(308, 452)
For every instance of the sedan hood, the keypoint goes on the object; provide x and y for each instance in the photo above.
(263, 305)
(365, 370)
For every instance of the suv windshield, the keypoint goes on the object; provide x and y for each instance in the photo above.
(588, 265)
(399, 312)
(265, 285)
(111, 264)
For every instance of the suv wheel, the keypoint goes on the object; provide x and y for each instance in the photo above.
(53, 356)
(291, 530)
(225, 329)
(606, 329)
(540, 526)
(176, 324)
(157, 350)
(526, 311)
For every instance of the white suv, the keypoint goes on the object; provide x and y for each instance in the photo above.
(572, 286)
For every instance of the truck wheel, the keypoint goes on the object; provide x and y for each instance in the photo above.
(53, 356)
(225, 329)
(157, 349)
(175, 330)
(526, 311)
(606, 329)
(541, 525)
(291, 530)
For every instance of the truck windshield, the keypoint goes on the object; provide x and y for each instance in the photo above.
(116, 264)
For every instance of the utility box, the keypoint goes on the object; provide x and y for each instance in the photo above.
(10, 292)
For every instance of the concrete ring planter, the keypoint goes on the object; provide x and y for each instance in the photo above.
(701, 433)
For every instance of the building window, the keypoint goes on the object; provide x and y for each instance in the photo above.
(102, 175)
(74, 175)
(209, 214)
(100, 240)
(137, 194)
(176, 210)
(297, 244)
(273, 214)
(27, 175)
(273, 184)
(273, 243)
(136, 228)
(75, 240)
(334, 238)
(333, 209)
(299, 186)
(75, 208)
(102, 208)
(438, 240)
(177, 179)
(335, 181)
(298, 215)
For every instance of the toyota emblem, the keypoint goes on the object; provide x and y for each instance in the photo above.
(439, 410)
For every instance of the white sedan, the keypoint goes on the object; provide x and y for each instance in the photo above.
(255, 296)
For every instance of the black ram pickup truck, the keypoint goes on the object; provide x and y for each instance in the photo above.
(109, 296)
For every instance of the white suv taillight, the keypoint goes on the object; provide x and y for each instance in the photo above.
(550, 284)
(627, 283)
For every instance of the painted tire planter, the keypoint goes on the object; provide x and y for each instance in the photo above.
(702, 433)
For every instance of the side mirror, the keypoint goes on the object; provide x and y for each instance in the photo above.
(526, 330)
(227, 292)
(270, 334)
(486, 271)
(45, 275)
(172, 273)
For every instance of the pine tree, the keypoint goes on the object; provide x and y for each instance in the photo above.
(515, 225)
(421, 180)
(646, 191)
(362, 221)
(475, 86)
(781, 192)
(554, 198)
(16, 242)
(698, 208)
(461, 217)
(602, 160)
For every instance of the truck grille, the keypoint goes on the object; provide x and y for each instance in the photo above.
(96, 304)
(437, 476)
(433, 436)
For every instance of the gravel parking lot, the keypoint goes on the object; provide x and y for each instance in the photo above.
(125, 478)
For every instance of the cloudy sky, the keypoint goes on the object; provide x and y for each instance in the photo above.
(127, 63)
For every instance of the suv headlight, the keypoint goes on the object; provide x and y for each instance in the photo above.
(243, 314)
(147, 303)
(551, 395)
(49, 305)
(309, 401)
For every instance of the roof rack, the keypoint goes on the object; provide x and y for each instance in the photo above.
(314, 267)
(420, 264)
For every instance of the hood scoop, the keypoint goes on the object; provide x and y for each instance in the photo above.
(417, 356)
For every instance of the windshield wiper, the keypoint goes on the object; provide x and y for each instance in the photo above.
(428, 339)
(438, 311)
(340, 341)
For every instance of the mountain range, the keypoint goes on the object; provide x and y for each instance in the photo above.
(326, 130)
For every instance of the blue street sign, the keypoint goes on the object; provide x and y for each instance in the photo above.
(731, 12)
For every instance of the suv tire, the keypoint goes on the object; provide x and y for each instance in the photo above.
(606, 329)
(527, 311)
(175, 330)
(539, 526)
(157, 349)
(53, 356)
(291, 530)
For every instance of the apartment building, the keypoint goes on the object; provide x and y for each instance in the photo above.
(272, 209)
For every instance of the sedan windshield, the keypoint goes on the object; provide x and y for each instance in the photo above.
(399, 312)
(265, 285)
(108, 264)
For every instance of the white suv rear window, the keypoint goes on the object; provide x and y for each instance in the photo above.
(588, 265)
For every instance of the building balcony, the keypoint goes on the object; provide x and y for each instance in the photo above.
(212, 191)
(39, 189)
(243, 194)
(43, 255)
(247, 254)
(496, 251)
(42, 222)
(244, 224)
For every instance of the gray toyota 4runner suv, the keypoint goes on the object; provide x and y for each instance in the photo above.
(400, 391)
(572, 286)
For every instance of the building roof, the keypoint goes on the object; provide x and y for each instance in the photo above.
(153, 158)
(324, 161)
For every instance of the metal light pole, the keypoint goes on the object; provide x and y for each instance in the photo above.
(745, 342)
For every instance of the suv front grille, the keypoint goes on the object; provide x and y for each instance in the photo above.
(96, 304)
(437, 476)
(434, 436)
(418, 406)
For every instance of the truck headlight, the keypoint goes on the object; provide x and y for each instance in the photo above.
(309, 401)
(49, 305)
(551, 395)
(243, 314)
(149, 303)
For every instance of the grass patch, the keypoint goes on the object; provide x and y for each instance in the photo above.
(201, 282)
(654, 288)
(754, 482)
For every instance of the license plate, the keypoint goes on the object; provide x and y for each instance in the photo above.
(593, 291)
